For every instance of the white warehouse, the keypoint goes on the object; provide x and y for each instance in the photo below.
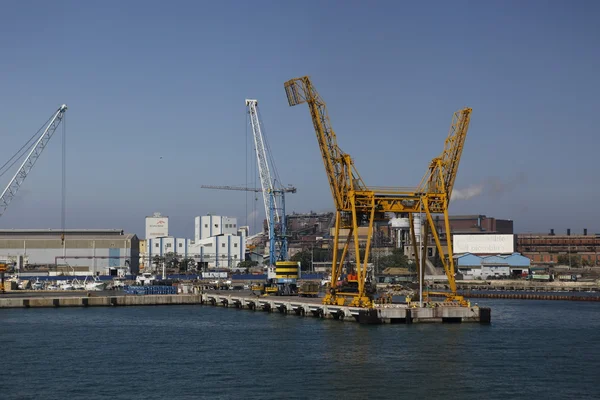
(84, 252)
(218, 243)
(213, 225)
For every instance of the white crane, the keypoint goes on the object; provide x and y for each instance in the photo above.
(15, 183)
(273, 197)
(266, 181)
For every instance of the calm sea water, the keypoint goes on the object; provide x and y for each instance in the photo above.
(532, 350)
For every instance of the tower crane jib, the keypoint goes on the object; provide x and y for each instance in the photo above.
(266, 181)
(17, 180)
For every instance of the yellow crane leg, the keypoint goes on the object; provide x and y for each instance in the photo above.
(413, 239)
(448, 268)
(363, 300)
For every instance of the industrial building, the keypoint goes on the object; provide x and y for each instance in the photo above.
(83, 252)
(163, 245)
(472, 266)
(208, 226)
(221, 251)
(218, 243)
(157, 226)
(548, 248)
(476, 224)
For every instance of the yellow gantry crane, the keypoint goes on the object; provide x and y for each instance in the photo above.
(357, 204)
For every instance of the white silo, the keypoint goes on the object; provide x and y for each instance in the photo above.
(401, 229)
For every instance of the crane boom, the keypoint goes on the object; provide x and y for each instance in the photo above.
(356, 203)
(442, 171)
(15, 183)
(261, 157)
(339, 166)
(289, 189)
(246, 189)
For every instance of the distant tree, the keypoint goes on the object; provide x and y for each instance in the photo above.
(305, 258)
(396, 259)
(573, 260)
(247, 264)
(157, 262)
(171, 260)
(187, 264)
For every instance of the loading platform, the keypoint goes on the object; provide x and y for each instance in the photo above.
(293, 305)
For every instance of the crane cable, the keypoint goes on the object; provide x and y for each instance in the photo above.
(246, 169)
(27, 146)
(64, 180)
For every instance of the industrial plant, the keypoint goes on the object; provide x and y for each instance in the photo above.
(378, 244)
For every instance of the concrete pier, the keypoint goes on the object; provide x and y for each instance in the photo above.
(304, 307)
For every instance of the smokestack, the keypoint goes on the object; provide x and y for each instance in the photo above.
(585, 232)
(551, 232)
(568, 232)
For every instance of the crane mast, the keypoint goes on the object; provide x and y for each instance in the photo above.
(273, 194)
(17, 180)
(264, 173)
(356, 204)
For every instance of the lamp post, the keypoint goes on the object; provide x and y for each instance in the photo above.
(422, 256)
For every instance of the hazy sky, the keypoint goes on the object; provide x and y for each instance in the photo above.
(151, 79)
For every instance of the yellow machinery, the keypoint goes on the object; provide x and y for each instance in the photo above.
(283, 282)
(286, 271)
(3, 270)
(358, 204)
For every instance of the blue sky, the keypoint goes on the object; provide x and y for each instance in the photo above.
(145, 80)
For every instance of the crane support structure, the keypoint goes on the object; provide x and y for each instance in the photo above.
(273, 191)
(15, 183)
(261, 157)
(245, 189)
(358, 205)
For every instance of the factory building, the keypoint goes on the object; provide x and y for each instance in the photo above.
(218, 243)
(84, 252)
(221, 251)
(472, 266)
(208, 226)
(552, 249)
(475, 224)
(157, 226)
(164, 245)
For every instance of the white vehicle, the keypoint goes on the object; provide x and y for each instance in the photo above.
(94, 284)
(65, 285)
(37, 285)
(118, 283)
(145, 278)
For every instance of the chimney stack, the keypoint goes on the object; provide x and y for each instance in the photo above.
(585, 232)
(551, 232)
(568, 232)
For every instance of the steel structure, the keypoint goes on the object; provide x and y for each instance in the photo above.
(278, 243)
(266, 182)
(273, 192)
(357, 204)
(15, 183)
(246, 189)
